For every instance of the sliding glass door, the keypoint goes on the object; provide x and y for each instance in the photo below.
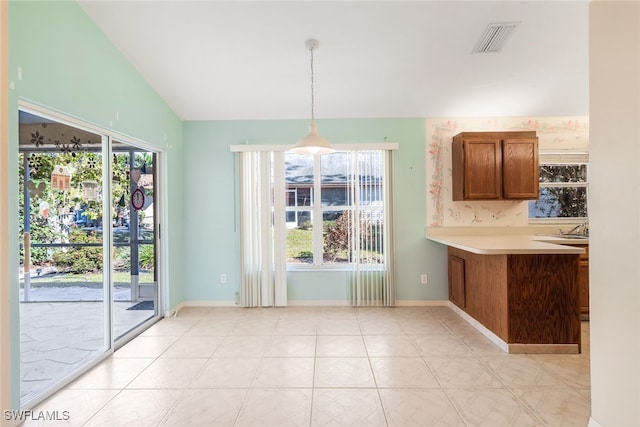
(135, 277)
(88, 220)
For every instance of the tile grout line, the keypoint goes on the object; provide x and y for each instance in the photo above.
(313, 377)
(124, 388)
(531, 411)
(482, 358)
(455, 408)
(375, 381)
(184, 390)
(246, 394)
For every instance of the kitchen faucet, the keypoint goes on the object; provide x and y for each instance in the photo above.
(577, 229)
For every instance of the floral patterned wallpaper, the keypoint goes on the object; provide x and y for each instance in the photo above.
(554, 133)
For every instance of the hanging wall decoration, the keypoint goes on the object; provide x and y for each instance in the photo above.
(37, 139)
(36, 189)
(49, 136)
(137, 199)
(90, 190)
(135, 175)
(66, 149)
(43, 209)
(75, 143)
(34, 163)
(61, 178)
(92, 163)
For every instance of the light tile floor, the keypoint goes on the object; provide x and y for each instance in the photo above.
(325, 366)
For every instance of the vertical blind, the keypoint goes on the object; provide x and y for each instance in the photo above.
(372, 279)
(365, 239)
(262, 234)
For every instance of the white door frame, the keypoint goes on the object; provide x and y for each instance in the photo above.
(108, 135)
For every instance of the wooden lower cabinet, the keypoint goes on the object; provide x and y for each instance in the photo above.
(583, 285)
(583, 281)
(527, 299)
(456, 281)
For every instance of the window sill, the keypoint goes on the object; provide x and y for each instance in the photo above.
(318, 268)
(560, 221)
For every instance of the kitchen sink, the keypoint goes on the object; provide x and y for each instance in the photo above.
(568, 236)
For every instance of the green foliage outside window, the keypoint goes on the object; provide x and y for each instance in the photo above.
(86, 166)
(563, 192)
(80, 259)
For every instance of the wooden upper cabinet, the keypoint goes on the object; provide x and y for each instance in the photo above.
(520, 168)
(495, 165)
(482, 169)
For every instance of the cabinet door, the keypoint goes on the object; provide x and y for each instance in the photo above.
(482, 169)
(520, 168)
(583, 286)
(583, 280)
(456, 281)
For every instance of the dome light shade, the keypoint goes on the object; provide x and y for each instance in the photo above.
(312, 143)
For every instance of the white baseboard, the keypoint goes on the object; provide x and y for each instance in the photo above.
(319, 303)
(210, 303)
(481, 328)
(172, 312)
(593, 423)
(422, 303)
(306, 303)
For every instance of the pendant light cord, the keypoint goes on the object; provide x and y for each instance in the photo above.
(312, 96)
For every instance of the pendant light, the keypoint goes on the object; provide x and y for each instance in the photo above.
(312, 143)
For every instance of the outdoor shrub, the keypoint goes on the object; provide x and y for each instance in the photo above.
(338, 235)
(146, 257)
(306, 225)
(337, 238)
(80, 259)
(40, 233)
(122, 257)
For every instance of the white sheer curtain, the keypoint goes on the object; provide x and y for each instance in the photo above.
(373, 275)
(262, 229)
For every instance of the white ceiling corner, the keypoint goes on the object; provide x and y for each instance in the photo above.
(214, 60)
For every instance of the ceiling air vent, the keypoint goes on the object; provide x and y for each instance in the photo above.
(494, 37)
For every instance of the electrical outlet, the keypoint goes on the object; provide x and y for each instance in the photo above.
(424, 279)
(223, 278)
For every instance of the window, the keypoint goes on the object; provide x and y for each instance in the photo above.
(331, 211)
(563, 187)
(335, 208)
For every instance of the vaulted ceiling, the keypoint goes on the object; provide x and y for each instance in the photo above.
(213, 60)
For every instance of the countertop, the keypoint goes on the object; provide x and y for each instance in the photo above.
(510, 244)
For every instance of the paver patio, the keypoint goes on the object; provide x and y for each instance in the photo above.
(58, 337)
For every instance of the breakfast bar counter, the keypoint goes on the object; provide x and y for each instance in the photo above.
(509, 244)
(519, 291)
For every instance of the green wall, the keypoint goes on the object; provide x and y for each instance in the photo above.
(211, 217)
(61, 60)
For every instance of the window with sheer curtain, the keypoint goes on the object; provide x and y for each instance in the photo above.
(262, 254)
(312, 212)
(335, 209)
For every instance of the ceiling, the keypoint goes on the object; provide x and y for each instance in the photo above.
(212, 60)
